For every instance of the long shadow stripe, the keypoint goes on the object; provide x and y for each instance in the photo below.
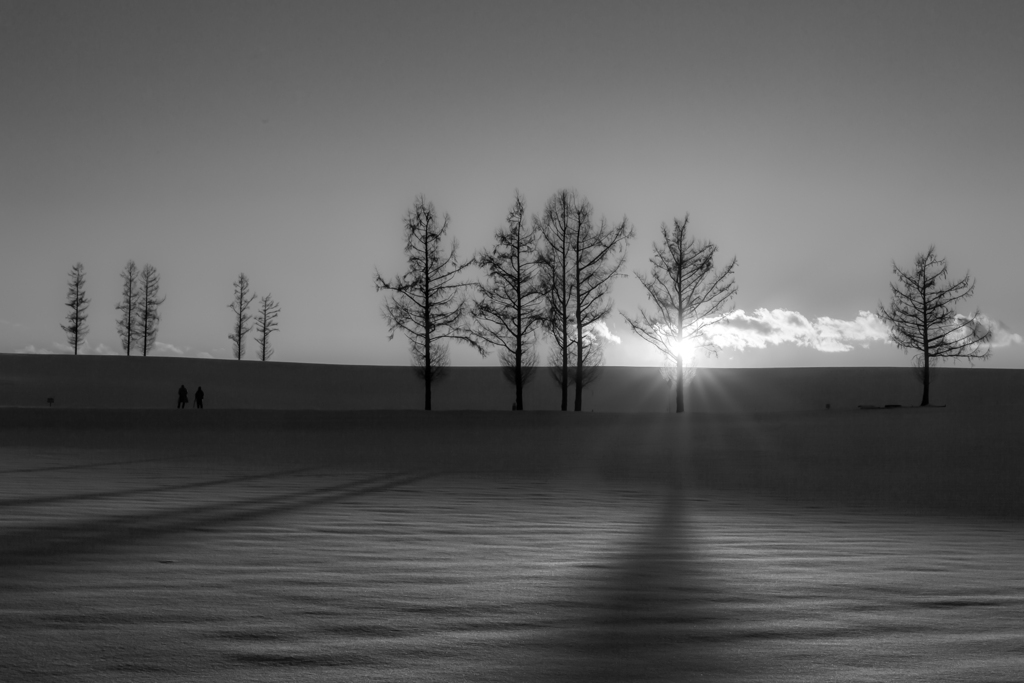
(107, 463)
(44, 500)
(36, 544)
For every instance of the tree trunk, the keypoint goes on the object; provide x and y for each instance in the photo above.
(519, 378)
(427, 376)
(578, 405)
(679, 385)
(565, 368)
(925, 380)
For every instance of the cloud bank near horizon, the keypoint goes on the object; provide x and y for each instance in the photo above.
(740, 331)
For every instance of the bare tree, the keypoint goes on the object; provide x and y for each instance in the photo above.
(427, 303)
(76, 329)
(240, 307)
(266, 322)
(689, 295)
(921, 316)
(598, 255)
(127, 326)
(557, 225)
(148, 316)
(510, 307)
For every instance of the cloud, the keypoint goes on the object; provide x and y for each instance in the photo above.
(600, 330)
(104, 350)
(204, 354)
(740, 330)
(1001, 335)
(161, 347)
(757, 330)
(32, 349)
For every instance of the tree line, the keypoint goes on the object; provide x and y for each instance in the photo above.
(139, 309)
(551, 274)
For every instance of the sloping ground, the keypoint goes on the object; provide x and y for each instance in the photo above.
(964, 461)
(134, 382)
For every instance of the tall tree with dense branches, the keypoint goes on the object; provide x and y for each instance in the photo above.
(240, 307)
(266, 322)
(127, 324)
(510, 307)
(579, 260)
(428, 302)
(149, 300)
(76, 327)
(557, 225)
(689, 295)
(598, 255)
(921, 316)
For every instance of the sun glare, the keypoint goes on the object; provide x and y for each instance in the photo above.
(684, 349)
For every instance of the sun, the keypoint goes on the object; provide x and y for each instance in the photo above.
(684, 349)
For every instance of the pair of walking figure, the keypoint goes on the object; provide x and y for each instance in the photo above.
(183, 397)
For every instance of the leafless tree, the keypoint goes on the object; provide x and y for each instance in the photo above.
(127, 325)
(76, 327)
(266, 322)
(579, 260)
(557, 226)
(921, 316)
(598, 255)
(148, 316)
(509, 309)
(689, 295)
(428, 302)
(240, 307)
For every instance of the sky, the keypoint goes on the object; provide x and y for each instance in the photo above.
(816, 142)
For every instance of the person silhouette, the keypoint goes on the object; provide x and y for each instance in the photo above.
(182, 396)
(199, 397)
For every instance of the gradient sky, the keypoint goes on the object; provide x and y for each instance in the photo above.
(816, 142)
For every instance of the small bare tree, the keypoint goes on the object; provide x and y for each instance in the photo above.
(76, 329)
(240, 307)
(689, 295)
(921, 316)
(510, 306)
(266, 322)
(127, 325)
(427, 303)
(148, 316)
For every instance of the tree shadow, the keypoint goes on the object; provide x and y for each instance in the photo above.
(642, 618)
(59, 543)
(44, 500)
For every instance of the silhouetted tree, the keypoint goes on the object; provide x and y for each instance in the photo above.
(76, 329)
(127, 325)
(593, 360)
(557, 225)
(266, 322)
(148, 316)
(510, 307)
(427, 303)
(921, 316)
(598, 255)
(240, 307)
(688, 294)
